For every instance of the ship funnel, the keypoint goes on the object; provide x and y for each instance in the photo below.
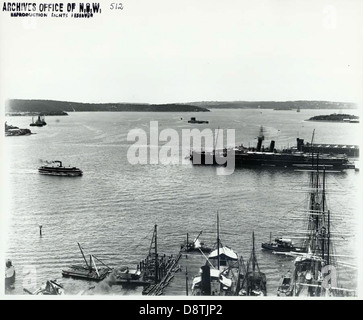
(260, 138)
(299, 144)
(272, 146)
(206, 282)
(259, 143)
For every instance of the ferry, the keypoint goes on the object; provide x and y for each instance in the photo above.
(60, 170)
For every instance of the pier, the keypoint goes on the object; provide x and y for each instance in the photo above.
(349, 150)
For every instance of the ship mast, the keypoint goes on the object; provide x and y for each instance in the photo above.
(80, 248)
(153, 254)
(312, 149)
(156, 254)
(218, 241)
(328, 236)
(253, 251)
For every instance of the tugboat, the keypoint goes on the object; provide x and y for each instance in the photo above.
(40, 122)
(281, 245)
(194, 120)
(9, 274)
(59, 170)
(126, 274)
(195, 245)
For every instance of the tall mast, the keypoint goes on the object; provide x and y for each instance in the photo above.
(253, 251)
(312, 149)
(218, 241)
(80, 248)
(328, 236)
(156, 254)
(323, 204)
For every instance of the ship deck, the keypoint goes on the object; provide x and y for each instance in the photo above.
(80, 272)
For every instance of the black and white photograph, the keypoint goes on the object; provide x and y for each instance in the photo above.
(181, 150)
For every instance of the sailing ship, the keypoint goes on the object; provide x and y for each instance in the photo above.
(219, 276)
(254, 282)
(315, 271)
(88, 272)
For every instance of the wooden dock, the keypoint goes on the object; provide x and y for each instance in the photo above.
(178, 279)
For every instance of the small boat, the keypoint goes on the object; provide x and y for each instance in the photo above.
(281, 245)
(285, 287)
(51, 287)
(195, 245)
(9, 274)
(124, 273)
(89, 272)
(15, 131)
(194, 120)
(59, 170)
(40, 122)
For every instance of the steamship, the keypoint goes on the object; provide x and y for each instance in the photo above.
(59, 170)
(294, 157)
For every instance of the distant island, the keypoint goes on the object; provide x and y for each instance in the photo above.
(336, 117)
(51, 107)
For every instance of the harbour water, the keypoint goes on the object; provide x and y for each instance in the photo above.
(111, 210)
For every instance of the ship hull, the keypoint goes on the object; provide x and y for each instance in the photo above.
(270, 247)
(9, 277)
(270, 159)
(63, 173)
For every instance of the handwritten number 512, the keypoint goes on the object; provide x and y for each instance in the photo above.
(116, 6)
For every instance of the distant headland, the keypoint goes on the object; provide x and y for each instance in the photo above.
(276, 105)
(52, 107)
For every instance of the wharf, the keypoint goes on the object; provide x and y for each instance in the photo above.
(178, 280)
(349, 150)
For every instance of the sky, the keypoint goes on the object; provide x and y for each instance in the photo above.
(166, 51)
